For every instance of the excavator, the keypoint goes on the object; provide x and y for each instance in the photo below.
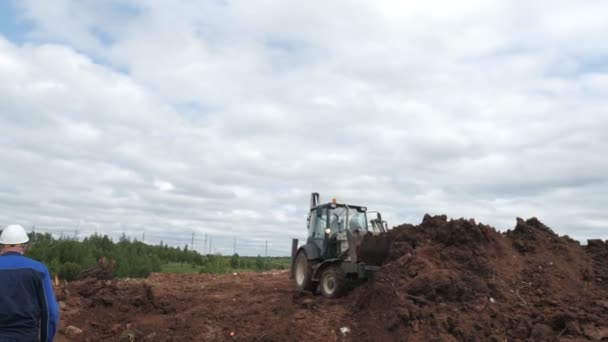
(342, 249)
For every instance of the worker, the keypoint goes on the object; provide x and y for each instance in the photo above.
(28, 310)
(334, 225)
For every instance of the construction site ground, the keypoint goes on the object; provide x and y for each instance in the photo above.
(444, 280)
(193, 307)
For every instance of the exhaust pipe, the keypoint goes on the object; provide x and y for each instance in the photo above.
(314, 199)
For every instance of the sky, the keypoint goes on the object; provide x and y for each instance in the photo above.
(220, 117)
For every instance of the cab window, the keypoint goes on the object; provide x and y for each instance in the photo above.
(318, 222)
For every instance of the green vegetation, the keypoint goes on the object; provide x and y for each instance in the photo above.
(218, 264)
(68, 258)
(69, 271)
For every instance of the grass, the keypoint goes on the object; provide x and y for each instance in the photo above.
(178, 267)
(222, 266)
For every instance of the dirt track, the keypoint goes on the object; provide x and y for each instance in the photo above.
(445, 280)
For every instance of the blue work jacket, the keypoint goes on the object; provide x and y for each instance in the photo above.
(28, 309)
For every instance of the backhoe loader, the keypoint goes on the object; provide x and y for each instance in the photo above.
(341, 249)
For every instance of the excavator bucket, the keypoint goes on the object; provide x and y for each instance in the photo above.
(373, 248)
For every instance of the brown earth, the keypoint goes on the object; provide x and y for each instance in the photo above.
(173, 307)
(461, 281)
(444, 280)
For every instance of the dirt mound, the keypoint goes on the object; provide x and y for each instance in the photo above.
(457, 280)
(598, 250)
(103, 270)
(108, 304)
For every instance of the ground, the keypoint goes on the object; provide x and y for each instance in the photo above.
(239, 307)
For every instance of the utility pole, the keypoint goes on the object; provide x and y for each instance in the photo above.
(210, 244)
(265, 253)
(234, 247)
(143, 237)
(205, 246)
(192, 243)
(239, 258)
(76, 232)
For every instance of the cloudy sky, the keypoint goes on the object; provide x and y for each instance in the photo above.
(220, 117)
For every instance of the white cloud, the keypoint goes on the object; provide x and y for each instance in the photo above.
(221, 117)
(163, 186)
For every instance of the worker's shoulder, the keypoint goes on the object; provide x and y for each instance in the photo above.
(36, 264)
(20, 262)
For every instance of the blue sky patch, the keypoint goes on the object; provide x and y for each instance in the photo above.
(13, 25)
(102, 36)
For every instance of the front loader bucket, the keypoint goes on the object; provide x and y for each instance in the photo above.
(373, 249)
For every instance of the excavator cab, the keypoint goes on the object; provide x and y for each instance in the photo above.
(341, 247)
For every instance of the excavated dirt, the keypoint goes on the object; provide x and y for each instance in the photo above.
(461, 281)
(444, 280)
(174, 307)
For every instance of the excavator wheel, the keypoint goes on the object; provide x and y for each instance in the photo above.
(303, 273)
(333, 282)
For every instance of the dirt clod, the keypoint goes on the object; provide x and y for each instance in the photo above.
(595, 333)
(72, 331)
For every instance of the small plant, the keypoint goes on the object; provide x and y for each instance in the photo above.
(69, 271)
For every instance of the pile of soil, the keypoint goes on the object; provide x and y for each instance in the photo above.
(108, 304)
(457, 280)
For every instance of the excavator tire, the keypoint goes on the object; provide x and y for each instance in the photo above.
(333, 282)
(302, 274)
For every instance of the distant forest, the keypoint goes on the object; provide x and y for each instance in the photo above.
(68, 257)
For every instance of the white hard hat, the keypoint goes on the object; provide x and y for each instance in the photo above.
(13, 235)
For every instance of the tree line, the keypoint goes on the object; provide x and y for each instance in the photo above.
(68, 257)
